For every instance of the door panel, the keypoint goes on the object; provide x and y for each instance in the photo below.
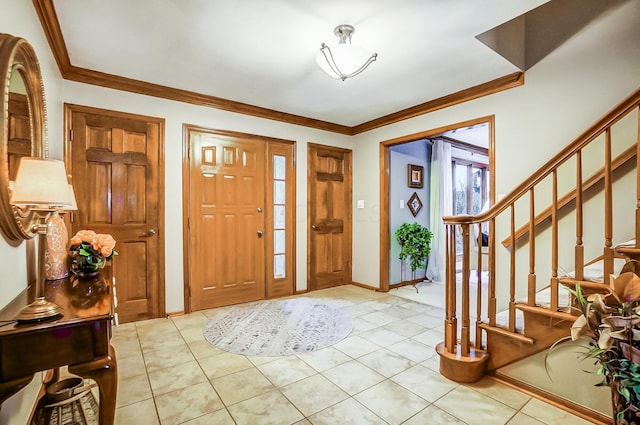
(226, 250)
(18, 131)
(329, 188)
(115, 164)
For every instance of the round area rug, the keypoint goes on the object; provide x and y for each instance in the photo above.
(278, 328)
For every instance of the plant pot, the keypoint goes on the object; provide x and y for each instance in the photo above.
(624, 413)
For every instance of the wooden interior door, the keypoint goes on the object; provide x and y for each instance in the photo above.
(226, 246)
(117, 176)
(329, 216)
(18, 131)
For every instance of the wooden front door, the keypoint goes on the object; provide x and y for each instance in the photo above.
(329, 216)
(117, 173)
(226, 207)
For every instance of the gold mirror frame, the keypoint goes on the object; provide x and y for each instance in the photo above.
(17, 55)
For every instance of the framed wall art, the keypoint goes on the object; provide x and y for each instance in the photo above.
(414, 204)
(415, 176)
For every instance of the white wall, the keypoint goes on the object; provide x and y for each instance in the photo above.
(416, 153)
(563, 95)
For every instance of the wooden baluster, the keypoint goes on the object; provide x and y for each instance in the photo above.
(451, 322)
(492, 304)
(451, 271)
(554, 243)
(608, 206)
(638, 185)
(478, 331)
(465, 347)
(531, 281)
(512, 272)
(579, 250)
(479, 246)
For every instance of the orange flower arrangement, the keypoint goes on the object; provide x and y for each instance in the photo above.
(94, 248)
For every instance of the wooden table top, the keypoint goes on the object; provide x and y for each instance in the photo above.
(79, 298)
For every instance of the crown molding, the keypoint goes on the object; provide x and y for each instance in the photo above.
(494, 86)
(51, 27)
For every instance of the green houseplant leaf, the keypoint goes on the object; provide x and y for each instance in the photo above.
(415, 243)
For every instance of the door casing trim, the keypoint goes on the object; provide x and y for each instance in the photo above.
(385, 241)
(186, 151)
(350, 225)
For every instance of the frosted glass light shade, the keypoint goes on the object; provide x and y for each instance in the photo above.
(343, 60)
(42, 184)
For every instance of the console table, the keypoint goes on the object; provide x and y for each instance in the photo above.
(79, 339)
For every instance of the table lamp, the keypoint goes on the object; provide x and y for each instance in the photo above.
(56, 253)
(41, 186)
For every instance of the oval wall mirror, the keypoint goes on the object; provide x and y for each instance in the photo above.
(22, 131)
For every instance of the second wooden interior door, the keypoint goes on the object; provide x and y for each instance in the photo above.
(329, 216)
(116, 163)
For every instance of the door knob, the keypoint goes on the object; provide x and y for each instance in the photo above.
(148, 233)
(260, 233)
(314, 227)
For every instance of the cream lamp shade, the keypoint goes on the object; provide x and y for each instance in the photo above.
(42, 184)
(72, 197)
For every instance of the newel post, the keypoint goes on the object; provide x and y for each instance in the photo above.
(459, 361)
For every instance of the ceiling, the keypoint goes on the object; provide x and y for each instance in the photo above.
(262, 53)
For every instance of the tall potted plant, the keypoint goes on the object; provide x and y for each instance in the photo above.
(611, 322)
(415, 244)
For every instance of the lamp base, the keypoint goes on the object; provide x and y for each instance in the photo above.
(39, 309)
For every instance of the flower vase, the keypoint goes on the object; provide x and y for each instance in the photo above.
(86, 265)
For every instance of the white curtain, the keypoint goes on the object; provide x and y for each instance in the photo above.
(441, 204)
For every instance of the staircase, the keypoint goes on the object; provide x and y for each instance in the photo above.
(548, 225)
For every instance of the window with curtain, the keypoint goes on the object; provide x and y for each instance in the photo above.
(470, 189)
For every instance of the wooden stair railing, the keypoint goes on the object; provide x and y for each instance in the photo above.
(625, 158)
(466, 350)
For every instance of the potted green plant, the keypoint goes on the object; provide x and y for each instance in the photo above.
(415, 244)
(610, 321)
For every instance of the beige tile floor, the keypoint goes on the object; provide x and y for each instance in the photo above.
(384, 372)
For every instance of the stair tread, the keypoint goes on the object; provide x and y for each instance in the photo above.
(570, 282)
(545, 311)
(594, 271)
(627, 249)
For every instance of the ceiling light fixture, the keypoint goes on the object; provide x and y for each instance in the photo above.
(344, 60)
